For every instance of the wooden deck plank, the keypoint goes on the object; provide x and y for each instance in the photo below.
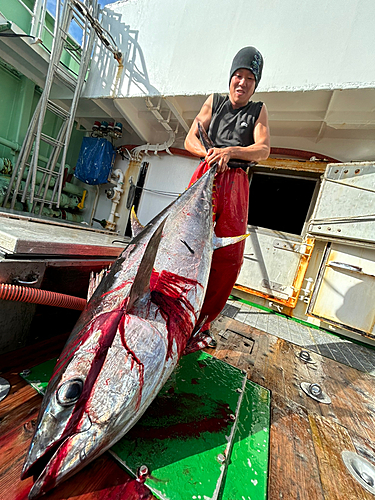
(330, 440)
(293, 469)
(307, 437)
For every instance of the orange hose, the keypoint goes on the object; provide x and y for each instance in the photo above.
(36, 296)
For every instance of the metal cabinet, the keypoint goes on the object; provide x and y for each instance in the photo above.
(345, 208)
(344, 292)
(274, 265)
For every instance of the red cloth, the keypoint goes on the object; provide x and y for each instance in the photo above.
(230, 206)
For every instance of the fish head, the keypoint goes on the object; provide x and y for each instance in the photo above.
(93, 399)
(63, 414)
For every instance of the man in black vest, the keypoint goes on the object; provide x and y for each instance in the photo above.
(238, 128)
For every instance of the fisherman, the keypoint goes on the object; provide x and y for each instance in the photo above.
(238, 128)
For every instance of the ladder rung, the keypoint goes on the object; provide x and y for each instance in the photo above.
(65, 77)
(49, 172)
(43, 200)
(45, 170)
(50, 140)
(57, 110)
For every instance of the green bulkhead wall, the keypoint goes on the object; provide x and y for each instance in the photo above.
(18, 99)
(14, 11)
(18, 14)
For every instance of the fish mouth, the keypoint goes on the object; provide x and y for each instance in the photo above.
(36, 467)
(57, 462)
(40, 469)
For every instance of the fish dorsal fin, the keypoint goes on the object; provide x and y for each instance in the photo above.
(230, 240)
(95, 279)
(135, 224)
(141, 282)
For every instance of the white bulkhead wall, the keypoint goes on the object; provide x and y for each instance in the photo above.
(186, 47)
(157, 193)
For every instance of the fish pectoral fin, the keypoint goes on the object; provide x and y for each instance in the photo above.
(230, 240)
(198, 342)
(141, 284)
(135, 224)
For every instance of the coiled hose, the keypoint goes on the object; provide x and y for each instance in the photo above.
(36, 296)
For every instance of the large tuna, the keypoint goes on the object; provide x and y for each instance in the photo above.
(127, 341)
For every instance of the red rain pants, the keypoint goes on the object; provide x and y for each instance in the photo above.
(230, 201)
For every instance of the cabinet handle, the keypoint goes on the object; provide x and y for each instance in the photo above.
(347, 267)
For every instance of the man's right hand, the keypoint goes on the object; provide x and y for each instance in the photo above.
(221, 156)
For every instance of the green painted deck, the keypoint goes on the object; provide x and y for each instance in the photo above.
(207, 411)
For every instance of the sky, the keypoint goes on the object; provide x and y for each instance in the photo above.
(74, 30)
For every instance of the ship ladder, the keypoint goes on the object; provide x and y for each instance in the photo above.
(27, 167)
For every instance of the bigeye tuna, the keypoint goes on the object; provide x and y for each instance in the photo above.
(130, 337)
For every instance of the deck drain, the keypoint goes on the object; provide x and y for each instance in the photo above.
(361, 469)
(315, 392)
(305, 357)
(4, 388)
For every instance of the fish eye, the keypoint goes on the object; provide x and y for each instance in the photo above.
(69, 392)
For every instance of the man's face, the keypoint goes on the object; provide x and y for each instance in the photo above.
(241, 88)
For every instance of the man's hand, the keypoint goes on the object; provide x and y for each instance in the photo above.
(221, 156)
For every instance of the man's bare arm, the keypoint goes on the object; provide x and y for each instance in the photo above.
(192, 142)
(258, 151)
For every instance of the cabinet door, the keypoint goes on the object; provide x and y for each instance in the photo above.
(344, 293)
(274, 265)
(345, 207)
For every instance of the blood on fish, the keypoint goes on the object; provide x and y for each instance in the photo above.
(120, 287)
(134, 358)
(53, 468)
(169, 292)
(108, 324)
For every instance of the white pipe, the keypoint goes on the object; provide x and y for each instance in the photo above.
(111, 224)
(155, 110)
(155, 147)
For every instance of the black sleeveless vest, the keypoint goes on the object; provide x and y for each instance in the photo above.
(232, 127)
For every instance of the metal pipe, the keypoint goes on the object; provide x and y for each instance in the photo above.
(111, 224)
(14, 146)
(94, 205)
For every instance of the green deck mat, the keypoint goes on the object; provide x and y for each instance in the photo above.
(206, 410)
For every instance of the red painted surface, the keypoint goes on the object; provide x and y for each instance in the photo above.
(136, 490)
